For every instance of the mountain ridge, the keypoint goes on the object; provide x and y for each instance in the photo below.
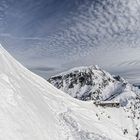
(90, 83)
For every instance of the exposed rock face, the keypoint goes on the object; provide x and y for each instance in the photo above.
(89, 83)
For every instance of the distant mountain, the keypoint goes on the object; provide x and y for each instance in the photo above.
(90, 83)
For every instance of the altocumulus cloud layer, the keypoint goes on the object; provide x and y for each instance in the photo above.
(59, 34)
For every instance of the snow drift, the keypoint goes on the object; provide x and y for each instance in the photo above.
(32, 109)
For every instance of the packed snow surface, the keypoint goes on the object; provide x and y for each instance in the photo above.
(32, 109)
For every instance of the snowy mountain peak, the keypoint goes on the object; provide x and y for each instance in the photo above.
(92, 83)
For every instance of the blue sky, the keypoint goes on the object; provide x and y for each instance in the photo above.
(50, 36)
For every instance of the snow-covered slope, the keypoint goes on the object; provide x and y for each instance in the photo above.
(32, 109)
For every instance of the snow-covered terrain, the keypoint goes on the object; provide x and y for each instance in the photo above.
(33, 109)
(93, 83)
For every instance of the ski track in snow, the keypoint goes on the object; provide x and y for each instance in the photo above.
(72, 130)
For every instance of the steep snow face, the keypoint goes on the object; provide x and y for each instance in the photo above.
(32, 109)
(24, 113)
(90, 83)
